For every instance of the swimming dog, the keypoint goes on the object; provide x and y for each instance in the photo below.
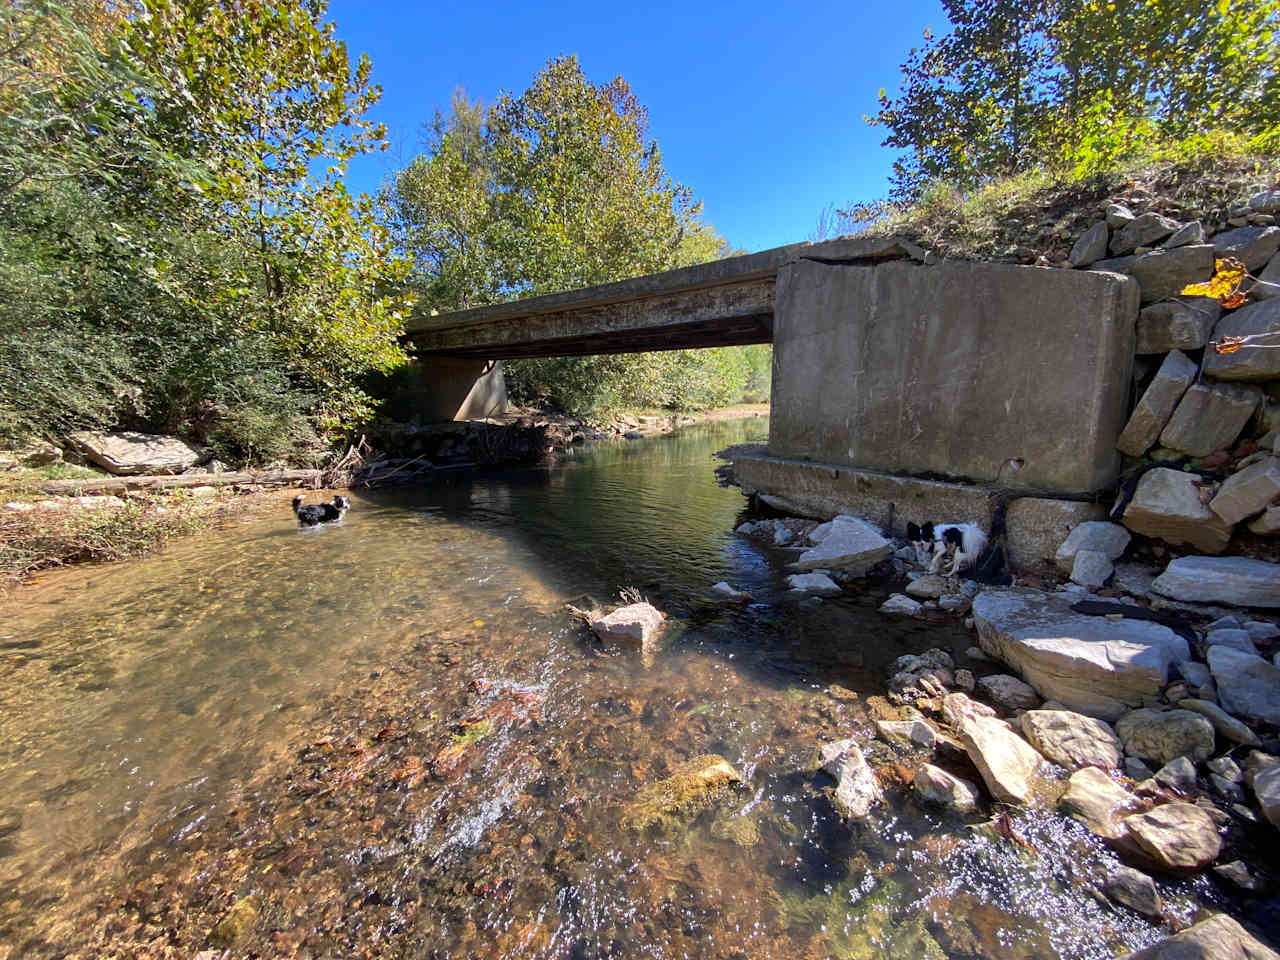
(319, 513)
(935, 542)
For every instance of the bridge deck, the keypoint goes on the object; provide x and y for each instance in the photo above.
(723, 303)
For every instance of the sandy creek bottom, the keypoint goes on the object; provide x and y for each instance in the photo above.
(387, 738)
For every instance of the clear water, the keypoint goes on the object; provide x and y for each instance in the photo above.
(388, 738)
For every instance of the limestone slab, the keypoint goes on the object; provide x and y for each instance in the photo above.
(1248, 491)
(1253, 246)
(1008, 764)
(1181, 324)
(866, 357)
(1238, 581)
(852, 545)
(1210, 417)
(1111, 539)
(1157, 404)
(1089, 664)
(1180, 837)
(1248, 686)
(131, 453)
(1164, 273)
(1167, 504)
(1257, 359)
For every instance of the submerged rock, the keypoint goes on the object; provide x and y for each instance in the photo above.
(856, 788)
(1134, 889)
(817, 583)
(691, 788)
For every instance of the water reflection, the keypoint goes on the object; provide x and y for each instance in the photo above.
(386, 737)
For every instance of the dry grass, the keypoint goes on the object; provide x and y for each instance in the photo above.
(1035, 217)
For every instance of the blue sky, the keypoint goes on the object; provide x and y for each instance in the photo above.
(757, 106)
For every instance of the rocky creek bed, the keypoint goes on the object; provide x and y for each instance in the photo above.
(393, 738)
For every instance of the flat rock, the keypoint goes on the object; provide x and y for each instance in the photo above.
(637, 623)
(1110, 539)
(723, 589)
(1252, 246)
(1266, 787)
(1161, 736)
(901, 604)
(1091, 247)
(1134, 889)
(852, 545)
(1098, 802)
(1179, 775)
(1238, 581)
(1209, 417)
(935, 786)
(1235, 638)
(1248, 686)
(1267, 201)
(1164, 273)
(1267, 523)
(1181, 324)
(818, 583)
(1008, 692)
(1119, 216)
(1142, 231)
(1008, 764)
(1248, 491)
(1261, 630)
(1167, 505)
(1223, 723)
(929, 587)
(1091, 665)
(1268, 285)
(135, 453)
(1218, 938)
(1179, 837)
(1257, 360)
(1071, 739)
(1192, 232)
(914, 733)
(856, 788)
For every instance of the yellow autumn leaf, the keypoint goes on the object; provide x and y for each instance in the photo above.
(1228, 274)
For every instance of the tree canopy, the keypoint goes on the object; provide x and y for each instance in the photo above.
(557, 188)
(1018, 83)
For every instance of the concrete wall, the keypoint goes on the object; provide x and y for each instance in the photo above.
(1006, 375)
(436, 389)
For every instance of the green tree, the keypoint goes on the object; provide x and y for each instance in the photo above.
(1019, 83)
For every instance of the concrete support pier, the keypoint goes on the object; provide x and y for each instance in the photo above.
(436, 389)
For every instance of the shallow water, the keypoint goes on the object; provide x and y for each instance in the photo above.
(388, 738)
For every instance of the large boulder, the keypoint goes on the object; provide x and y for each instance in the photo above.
(852, 545)
(1089, 664)
(1248, 686)
(1248, 491)
(1100, 535)
(1178, 837)
(1167, 505)
(1209, 417)
(1238, 581)
(135, 453)
(1157, 404)
(1008, 764)
(1165, 735)
(1218, 938)
(1258, 360)
(1071, 739)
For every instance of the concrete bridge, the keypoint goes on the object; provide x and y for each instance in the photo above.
(903, 388)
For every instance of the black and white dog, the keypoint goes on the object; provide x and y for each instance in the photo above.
(935, 542)
(319, 513)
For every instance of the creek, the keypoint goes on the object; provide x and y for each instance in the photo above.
(388, 738)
